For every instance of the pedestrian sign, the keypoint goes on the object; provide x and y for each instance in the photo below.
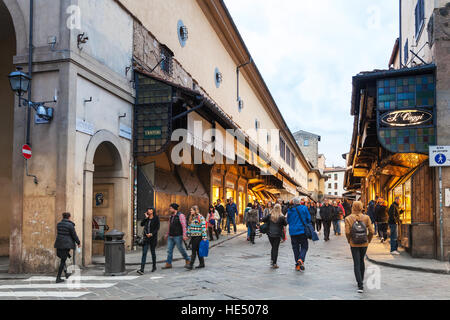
(440, 156)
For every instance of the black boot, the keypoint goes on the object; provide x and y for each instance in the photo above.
(154, 267)
(202, 263)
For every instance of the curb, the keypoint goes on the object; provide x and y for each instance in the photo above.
(410, 268)
(178, 259)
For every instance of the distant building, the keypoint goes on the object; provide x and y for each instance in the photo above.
(309, 145)
(334, 186)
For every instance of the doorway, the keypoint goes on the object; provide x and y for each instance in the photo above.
(7, 52)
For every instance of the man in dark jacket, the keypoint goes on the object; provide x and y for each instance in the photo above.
(394, 221)
(381, 218)
(371, 212)
(327, 213)
(231, 215)
(65, 241)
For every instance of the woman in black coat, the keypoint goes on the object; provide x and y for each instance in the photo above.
(277, 222)
(151, 226)
(66, 240)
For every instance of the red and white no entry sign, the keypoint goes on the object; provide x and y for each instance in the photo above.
(26, 152)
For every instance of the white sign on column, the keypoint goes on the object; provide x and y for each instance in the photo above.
(439, 156)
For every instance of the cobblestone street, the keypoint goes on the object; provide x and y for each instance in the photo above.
(238, 270)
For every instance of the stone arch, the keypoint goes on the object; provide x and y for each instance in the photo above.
(20, 26)
(121, 183)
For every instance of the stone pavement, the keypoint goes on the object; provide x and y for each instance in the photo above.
(379, 253)
(238, 270)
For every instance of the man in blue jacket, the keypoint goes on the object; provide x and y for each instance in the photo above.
(299, 240)
(231, 215)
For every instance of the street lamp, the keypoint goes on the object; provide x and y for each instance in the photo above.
(20, 84)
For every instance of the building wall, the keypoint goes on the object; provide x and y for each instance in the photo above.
(331, 180)
(202, 54)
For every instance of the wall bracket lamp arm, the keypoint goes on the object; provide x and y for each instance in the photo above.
(237, 74)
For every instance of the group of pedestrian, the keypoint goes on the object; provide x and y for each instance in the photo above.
(299, 215)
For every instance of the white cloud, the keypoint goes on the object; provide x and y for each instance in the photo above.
(308, 51)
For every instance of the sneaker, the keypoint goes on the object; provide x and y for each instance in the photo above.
(59, 280)
(395, 252)
(275, 266)
(140, 272)
(361, 290)
(200, 266)
(301, 264)
(167, 266)
(297, 267)
(189, 267)
(382, 240)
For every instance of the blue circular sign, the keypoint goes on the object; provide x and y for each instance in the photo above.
(440, 158)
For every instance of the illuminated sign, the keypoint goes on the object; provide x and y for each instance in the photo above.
(406, 118)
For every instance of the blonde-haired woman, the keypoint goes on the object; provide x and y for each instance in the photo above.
(197, 231)
(277, 222)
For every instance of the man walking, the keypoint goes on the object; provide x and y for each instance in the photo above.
(176, 235)
(231, 215)
(326, 212)
(65, 241)
(382, 218)
(371, 212)
(394, 221)
(359, 232)
(297, 218)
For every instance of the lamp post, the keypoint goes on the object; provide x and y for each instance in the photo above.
(20, 84)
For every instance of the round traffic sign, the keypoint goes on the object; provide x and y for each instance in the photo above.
(26, 152)
(440, 158)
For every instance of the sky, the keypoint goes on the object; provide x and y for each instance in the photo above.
(308, 51)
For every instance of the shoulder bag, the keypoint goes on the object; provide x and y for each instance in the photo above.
(309, 229)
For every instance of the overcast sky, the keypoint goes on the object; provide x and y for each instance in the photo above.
(308, 51)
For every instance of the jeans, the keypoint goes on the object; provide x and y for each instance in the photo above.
(150, 243)
(231, 219)
(211, 230)
(337, 226)
(249, 230)
(171, 243)
(300, 247)
(394, 237)
(326, 229)
(275, 243)
(252, 228)
(358, 254)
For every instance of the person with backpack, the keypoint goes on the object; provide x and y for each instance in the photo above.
(359, 232)
(297, 218)
(151, 226)
(277, 222)
(213, 219)
(252, 221)
(176, 235)
(197, 232)
(394, 221)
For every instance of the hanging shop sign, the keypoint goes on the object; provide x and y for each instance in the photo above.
(406, 118)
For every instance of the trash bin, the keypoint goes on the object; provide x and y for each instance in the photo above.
(114, 253)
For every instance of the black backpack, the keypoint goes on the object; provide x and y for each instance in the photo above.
(358, 233)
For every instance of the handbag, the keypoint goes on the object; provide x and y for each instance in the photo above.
(309, 229)
(203, 249)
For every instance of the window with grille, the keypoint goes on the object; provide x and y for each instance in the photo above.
(167, 60)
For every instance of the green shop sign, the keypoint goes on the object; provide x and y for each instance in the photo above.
(152, 133)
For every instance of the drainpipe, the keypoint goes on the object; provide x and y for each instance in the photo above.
(30, 69)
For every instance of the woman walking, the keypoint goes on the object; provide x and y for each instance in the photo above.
(277, 222)
(213, 219)
(359, 232)
(313, 212)
(197, 231)
(151, 227)
(318, 218)
(252, 220)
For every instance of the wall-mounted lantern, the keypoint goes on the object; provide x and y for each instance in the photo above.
(20, 84)
(218, 77)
